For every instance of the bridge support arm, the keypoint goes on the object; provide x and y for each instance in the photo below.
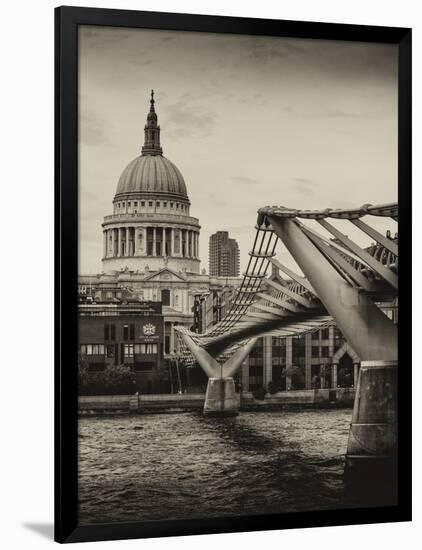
(371, 333)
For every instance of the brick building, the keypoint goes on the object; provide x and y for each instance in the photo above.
(127, 333)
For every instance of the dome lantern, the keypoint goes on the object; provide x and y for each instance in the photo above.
(152, 132)
(151, 173)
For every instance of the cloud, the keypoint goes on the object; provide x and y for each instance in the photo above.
(216, 199)
(240, 229)
(100, 37)
(264, 50)
(185, 119)
(93, 130)
(305, 186)
(339, 114)
(244, 180)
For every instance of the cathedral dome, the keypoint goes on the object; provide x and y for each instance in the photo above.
(152, 175)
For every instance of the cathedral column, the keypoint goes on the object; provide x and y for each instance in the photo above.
(197, 244)
(172, 242)
(171, 338)
(163, 243)
(119, 242)
(154, 241)
(104, 243)
(186, 244)
(127, 242)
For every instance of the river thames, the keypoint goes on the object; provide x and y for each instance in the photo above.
(175, 466)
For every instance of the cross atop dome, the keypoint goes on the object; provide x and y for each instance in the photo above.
(152, 132)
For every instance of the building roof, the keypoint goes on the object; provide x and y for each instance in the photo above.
(151, 173)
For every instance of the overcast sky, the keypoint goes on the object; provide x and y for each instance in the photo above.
(249, 121)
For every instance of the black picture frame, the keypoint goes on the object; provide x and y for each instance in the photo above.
(67, 20)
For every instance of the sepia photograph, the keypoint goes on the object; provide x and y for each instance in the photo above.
(237, 274)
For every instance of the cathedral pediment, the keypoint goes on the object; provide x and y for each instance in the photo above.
(165, 275)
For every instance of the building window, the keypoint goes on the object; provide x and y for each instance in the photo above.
(128, 350)
(315, 335)
(177, 205)
(325, 333)
(325, 351)
(165, 297)
(171, 205)
(92, 349)
(135, 203)
(142, 203)
(150, 203)
(129, 332)
(298, 349)
(112, 332)
(158, 203)
(110, 350)
(165, 204)
(106, 332)
(145, 349)
(315, 351)
(128, 204)
(123, 204)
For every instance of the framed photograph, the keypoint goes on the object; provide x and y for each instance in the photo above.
(229, 355)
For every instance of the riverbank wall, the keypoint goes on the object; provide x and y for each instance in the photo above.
(171, 403)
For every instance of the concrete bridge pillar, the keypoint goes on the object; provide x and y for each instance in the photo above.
(372, 446)
(221, 398)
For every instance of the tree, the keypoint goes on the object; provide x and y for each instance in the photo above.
(259, 393)
(113, 380)
(272, 387)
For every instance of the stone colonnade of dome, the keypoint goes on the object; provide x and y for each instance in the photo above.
(150, 240)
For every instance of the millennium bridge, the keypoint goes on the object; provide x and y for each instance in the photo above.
(340, 281)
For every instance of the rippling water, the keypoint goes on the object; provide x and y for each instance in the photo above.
(174, 466)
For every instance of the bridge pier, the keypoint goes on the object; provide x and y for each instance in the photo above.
(221, 398)
(371, 461)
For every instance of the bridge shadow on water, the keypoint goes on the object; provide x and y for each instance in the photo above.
(189, 466)
(280, 475)
(279, 465)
